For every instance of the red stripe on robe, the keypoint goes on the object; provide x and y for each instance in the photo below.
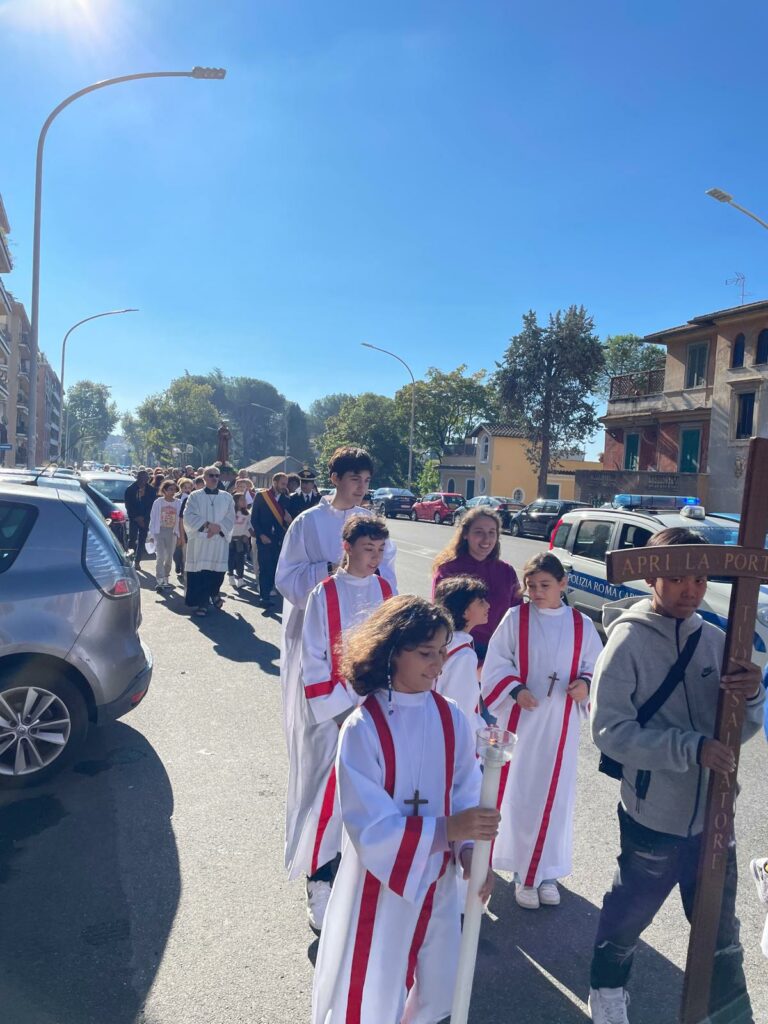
(578, 638)
(514, 717)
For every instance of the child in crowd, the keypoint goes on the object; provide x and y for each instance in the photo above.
(465, 598)
(185, 485)
(335, 606)
(240, 542)
(665, 774)
(408, 785)
(536, 681)
(164, 527)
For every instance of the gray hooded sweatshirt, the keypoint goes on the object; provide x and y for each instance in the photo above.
(642, 647)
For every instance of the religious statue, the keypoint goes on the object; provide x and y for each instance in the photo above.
(225, 436)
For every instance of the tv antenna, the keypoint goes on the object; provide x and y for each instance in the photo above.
(741, 282)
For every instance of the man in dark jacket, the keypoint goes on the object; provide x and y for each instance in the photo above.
(139, 498)
(307, 496)
(269, 521)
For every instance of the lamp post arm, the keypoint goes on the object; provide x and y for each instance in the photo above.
(367, 344)
(749, 213)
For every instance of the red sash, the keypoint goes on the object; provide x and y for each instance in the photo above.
(274, 508)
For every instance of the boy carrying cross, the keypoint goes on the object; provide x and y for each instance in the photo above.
(666, 764)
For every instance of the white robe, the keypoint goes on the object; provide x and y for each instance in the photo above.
(390, 939)
(313, 824)
(459, 681)
(204, 552)
(536, 833)
(312, 542)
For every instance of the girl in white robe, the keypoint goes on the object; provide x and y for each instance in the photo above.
(465, 598)
(408, 783)
(535, 680)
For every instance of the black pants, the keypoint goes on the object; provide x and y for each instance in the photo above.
(650, 865)
(326, 872)
(178, 559)
(268, 555)
(137, 536)
(236, 560)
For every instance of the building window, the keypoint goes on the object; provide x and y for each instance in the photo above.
(762, 348)
(745, 414)
(632, 452)
(518, 494)
(470, 489)
(553, 492)
(485, 448)
(737, 352)
(690, 445)
(482, 485)
(451, 485)
(696, 371)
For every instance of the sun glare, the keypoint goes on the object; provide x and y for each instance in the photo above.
(78, 17)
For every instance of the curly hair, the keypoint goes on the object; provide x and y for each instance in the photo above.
(402, 623)
(458, 544)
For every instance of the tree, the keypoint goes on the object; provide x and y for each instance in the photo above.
(429, 478)
(373, 422)
(182, 414)
(448, 406)
(322, 409)
(628, 353)
(91, 416)
(545, 381)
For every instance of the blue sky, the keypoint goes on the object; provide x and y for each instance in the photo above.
(413, 174)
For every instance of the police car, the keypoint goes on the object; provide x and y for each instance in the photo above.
(582, 538)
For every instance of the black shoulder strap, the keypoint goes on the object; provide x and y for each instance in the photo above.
(675, 675)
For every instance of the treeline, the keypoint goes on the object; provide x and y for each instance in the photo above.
(548, 383)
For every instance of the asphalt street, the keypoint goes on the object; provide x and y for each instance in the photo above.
(146, 884)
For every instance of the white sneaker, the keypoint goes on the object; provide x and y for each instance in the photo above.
(527, 897)
(759, 871)
(238, 582)
(549, 894)
(318, 894)
(231, 579)
(608, 1005)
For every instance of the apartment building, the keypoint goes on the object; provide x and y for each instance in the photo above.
(685, 428)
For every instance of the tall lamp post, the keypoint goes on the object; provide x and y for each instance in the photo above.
(111, 312)
(284, 414)
(726, 197)
(386, 352)
(196, 72)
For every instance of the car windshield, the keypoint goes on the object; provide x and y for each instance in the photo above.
(717, 534)
(112, 489)
(453, 500)
(399, 492)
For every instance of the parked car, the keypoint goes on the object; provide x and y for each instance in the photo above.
(583, 537)
(539, 518)
(367, 501)
(505, 507)
(70, 651)
(111, 485)
(393, 502)
(437, 507)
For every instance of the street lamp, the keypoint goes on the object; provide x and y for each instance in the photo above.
(196, 72)
(386, 352)
(284, 414)
(726, 197)
(111, 312)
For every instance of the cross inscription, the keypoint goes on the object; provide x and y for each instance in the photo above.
(747, 564)
(552, 680)
(416, 802)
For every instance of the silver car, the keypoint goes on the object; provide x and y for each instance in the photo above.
(70, 652)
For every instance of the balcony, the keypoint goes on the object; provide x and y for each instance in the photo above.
(22, 401)
(3, 381)
(637, 385)
(6, 263)
(5, 340)
(24, 367)
(21, 428)
(465, 450)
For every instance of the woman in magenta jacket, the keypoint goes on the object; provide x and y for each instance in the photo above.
(474, 550)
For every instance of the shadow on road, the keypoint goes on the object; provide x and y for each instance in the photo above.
(89, 886)
(528, 960)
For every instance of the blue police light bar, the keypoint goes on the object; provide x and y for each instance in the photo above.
(658, 502)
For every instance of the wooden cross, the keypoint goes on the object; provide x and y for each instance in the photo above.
(747, 564)
(415, 802)
(552, 680)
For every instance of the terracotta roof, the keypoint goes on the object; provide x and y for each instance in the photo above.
(710, 319)
(498, 430)
(271, 464)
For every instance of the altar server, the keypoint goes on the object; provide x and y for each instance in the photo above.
(536, 680)
(465, 598)
(409, 784)
(335, 606)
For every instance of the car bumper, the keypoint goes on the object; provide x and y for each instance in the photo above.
(133, 694)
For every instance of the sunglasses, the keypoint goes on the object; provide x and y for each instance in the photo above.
(213, 476)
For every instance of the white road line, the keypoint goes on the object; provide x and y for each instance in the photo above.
(553, 981)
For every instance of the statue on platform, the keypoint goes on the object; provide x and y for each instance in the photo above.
(225, 436)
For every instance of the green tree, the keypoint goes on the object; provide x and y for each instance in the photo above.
(322, 409)
(628, 353)
(182, 414)
(545, 382)
(429, 478)
(373, 422)
(91, 416)
(448, 406)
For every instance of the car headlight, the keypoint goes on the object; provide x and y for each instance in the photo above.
(762, 615)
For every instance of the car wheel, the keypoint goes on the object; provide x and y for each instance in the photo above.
(43, 722)
(437, 518)
(413, 517)
(514, 529)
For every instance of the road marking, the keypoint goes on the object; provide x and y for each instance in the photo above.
(553, 981)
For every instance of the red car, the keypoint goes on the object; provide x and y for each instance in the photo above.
(439, 507)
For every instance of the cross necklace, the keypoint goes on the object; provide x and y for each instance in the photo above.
(417, 800)
(554, 677)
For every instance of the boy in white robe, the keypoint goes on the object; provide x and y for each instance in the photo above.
(335, 607)
(209, 518)
(465, 598)
(409, 783)
(535, 680)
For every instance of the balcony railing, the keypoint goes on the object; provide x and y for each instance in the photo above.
(24, 365)
(460, 449)
(4, 381)
(637, 385)
(22, 401)
(21, 428)
(5, 339)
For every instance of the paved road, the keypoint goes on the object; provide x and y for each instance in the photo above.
(146, 883)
